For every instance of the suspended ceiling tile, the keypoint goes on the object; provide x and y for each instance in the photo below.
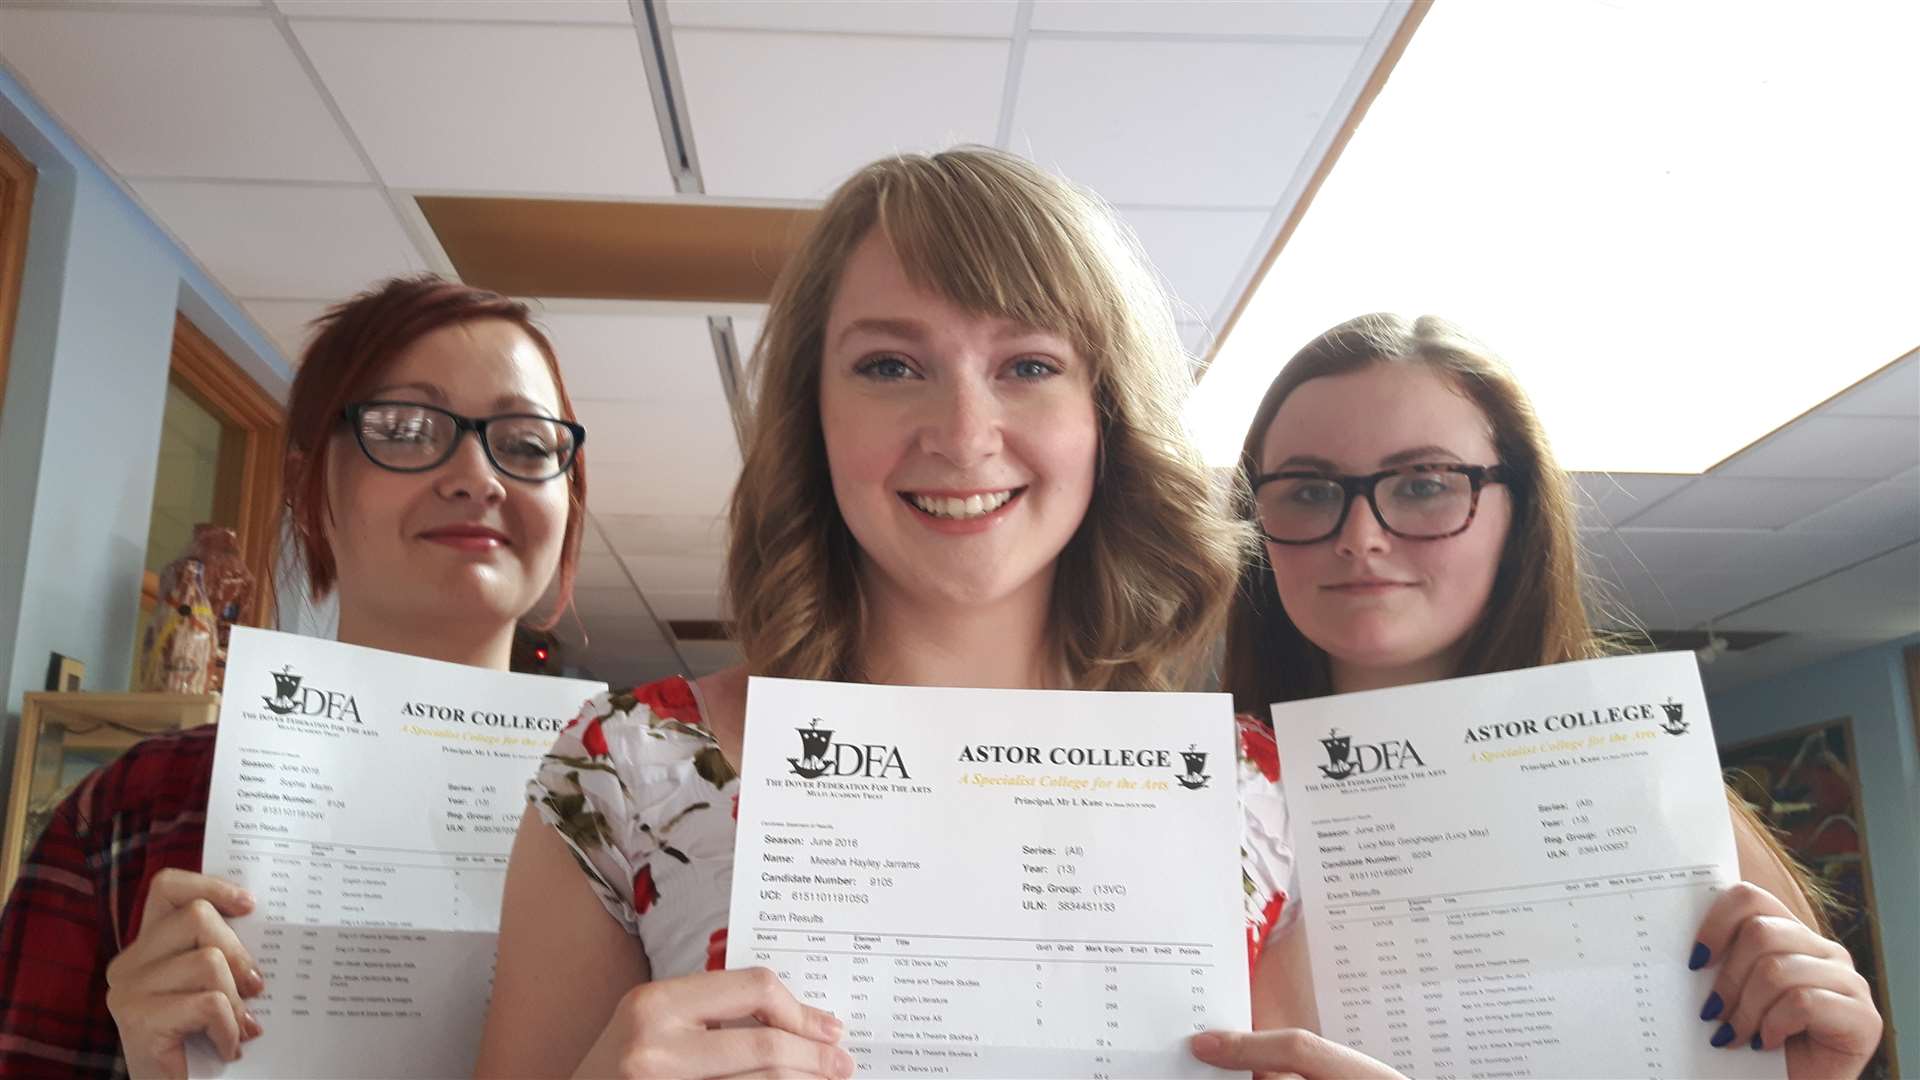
(674, 460)
(975, 18)
(1880, 596)
(677, 573)
(630, 631)
(1735, 503)
(1615, 498)
(562, 11)
(1198, 252)
(661, 437)
(1822, 446)
(1894, 391)
(285, 241)
(687, 603)
(1667, 553)
(702, 535)
(1885, 514)
(601, 571)
(624, 356)
(471, 107)
(1169, 123)
(1302, 18)
(1684, 603)
(287, 322)
(178, 95)
(789, 116)
(602, 602)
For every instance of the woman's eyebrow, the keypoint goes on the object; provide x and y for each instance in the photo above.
(1417, 454)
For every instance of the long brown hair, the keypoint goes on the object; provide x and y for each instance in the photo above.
(355, 342)
(1141, 587)
(1534, 615)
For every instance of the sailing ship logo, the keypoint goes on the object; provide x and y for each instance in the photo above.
(814, 741)
(1675, 724)
(1196, 761)
(286, 690)
(1339, 766)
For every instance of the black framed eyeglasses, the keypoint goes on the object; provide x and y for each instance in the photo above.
(1414, 502)
(406, 436)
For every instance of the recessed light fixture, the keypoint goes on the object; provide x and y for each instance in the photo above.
(1682, 224)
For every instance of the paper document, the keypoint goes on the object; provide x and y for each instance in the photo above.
(369, 800)
(1503, 875)
(995, 882)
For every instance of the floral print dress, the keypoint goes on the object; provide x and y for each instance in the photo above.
(646, 801)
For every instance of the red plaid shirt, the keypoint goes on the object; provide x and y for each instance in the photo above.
(77, 902)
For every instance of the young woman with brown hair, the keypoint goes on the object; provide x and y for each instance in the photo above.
(114, 948)
(966, 467)
(1463, 560)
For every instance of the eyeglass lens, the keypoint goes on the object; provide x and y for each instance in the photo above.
(1413, 504)
(412, 437)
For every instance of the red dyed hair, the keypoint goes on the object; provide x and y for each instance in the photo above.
(357, 341)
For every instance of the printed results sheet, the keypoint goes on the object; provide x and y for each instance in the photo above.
(1502, 875)
(369, 800)
(995, 882)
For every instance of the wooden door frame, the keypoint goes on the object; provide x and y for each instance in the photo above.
(17, 176)
(247, 488)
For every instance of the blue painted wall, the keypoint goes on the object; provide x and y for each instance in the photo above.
(1870, 686)
(80, 427)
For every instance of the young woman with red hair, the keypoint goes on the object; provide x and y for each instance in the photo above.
(114, 948)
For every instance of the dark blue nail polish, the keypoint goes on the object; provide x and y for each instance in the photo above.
(1701, 954)
(1756, 1044)
(1723, 1036)
(1713, 1006)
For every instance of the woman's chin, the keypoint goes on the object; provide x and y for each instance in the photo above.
(479, 593)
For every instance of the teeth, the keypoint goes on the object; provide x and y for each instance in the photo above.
(972, 506)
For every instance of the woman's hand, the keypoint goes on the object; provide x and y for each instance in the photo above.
(675, 1028)
(1287, 1053)
(185, 974)
(1780, 983)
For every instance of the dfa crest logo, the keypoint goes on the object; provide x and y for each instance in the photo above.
(1676, 724)
(821, 756)
(1344, 759)
(1195, 777)
(290, 697)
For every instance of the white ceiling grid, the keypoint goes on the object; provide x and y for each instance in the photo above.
(1813, 533)
(282, 141)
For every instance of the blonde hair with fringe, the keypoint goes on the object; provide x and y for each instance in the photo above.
(1141, 588)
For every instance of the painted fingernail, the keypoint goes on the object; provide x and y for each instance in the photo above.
(1713, 1006)
(252, 1026)
(258, 980)
(1723, 1036)
(1756, 1044)
(1701, 954)
(833, 1026)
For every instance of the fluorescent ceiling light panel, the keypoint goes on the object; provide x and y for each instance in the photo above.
(1682, 224)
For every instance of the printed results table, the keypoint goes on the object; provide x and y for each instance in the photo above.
(345, 927)
(1500, 982)
(946, 1004)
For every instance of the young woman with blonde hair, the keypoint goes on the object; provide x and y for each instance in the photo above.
(1417, 527)
(966, 467)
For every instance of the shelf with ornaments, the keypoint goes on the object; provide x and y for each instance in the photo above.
(64, 737)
